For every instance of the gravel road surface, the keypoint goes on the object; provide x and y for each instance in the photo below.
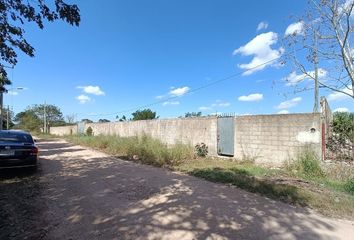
(79, 193)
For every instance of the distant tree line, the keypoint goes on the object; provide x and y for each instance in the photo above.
(33, 117)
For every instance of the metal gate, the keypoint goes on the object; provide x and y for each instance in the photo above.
(226, 135)
(81, 128)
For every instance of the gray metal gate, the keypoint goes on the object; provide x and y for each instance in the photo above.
(226, 135)
(81, 128)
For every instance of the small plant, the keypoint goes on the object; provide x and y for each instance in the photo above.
(349, 186)
(201, 149)
(307, 164)
(89, 131)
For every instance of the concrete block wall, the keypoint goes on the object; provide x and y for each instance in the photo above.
(187, 131)
(65, 130)
(269, 139)
(273, 139)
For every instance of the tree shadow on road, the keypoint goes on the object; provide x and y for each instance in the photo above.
(100, 197)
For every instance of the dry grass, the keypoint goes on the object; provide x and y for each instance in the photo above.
(142, 148)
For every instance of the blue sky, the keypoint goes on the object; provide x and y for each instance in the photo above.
(130, 53)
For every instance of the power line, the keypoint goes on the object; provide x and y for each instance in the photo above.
(192, 90)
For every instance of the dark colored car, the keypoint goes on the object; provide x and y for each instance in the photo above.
(17, 149)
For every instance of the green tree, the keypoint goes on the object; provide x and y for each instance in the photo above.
(103, 121)
(53, 114)
(145, 114)
(86, 120)
(340, 142)
(13, 16)
(192, 114)
(122, 119)
(32, 119)
(28, 120)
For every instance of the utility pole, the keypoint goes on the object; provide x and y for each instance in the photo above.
(315, 106)
(2, 91)
(44, 119)
(7, 117)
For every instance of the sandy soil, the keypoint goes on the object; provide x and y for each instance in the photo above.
(78, 193)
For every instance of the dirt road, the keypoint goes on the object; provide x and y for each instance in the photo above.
(83, 194)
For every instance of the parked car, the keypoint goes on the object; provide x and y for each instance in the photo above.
(17, 149)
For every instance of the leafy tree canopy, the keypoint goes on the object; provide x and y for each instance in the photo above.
(341, 141)
(103, 121)
(32, 119)
(145, 114)
(86, 120)
(54, 116)
(122, 119)
(13, 16)
(193, 114)
(28, 120)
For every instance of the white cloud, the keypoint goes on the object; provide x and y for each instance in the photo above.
(290, 103)
(295, 29)
(220, 103)
(204, 108)
(341, 109)
(173, 103)
(251, 97)
(262, 25)
(160, 97)
(13, 93)
(283, 112)
(95, 90)
(263, 55)
(174, 92)
(225, 104)
(294, 78)
(83, 98)
(337, 96)
(179, 91)
(217, 104)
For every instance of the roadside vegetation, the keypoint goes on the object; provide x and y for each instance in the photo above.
(304, 182)
(143, 149)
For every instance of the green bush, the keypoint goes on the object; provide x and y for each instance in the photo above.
(349, 186)
(340, 142)
(307, 164)
(201, 149)
(89, 131)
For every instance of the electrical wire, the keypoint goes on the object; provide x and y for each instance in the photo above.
(240, 73)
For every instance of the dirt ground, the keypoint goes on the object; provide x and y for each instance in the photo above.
(83, 194)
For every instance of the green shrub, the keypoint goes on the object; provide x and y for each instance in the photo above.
(89, 131)
(144, 149)
(349, 186)
(307, 164)
(201, 149)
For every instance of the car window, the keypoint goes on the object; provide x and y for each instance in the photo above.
(16, 137)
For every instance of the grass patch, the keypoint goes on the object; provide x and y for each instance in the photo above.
(143, 149)
(306, 165)
(328, 196)
(243, 179)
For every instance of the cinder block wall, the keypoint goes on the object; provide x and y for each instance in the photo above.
(273, 139)
(187, 131)
(65, 130)
(269, 139)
